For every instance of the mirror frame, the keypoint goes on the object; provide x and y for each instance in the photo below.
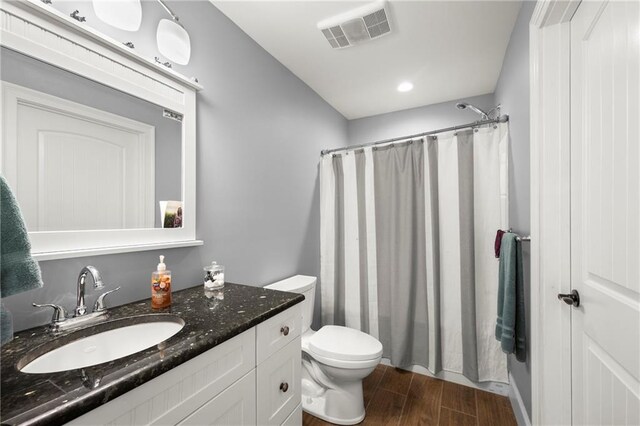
(34, 29)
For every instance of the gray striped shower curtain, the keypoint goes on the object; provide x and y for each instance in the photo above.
(407, 233)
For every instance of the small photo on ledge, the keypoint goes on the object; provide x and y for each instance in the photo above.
(171, 214)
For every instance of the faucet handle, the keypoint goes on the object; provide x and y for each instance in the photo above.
(99, 305)
(59, 312)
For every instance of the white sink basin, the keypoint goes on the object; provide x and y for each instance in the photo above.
(102, 346)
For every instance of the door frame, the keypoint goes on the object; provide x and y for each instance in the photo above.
(550, 54)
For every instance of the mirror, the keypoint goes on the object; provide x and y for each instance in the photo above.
(119, 141)
(84, 156)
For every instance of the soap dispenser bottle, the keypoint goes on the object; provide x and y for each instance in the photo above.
(161, 286)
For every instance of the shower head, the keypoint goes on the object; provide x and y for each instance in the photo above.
(465, 105)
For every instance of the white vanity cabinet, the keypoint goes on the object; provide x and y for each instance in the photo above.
(251, 379)
(236, 405)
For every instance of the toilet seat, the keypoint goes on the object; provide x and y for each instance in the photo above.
(344, 347)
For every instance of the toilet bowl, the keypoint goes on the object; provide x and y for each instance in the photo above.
(335, 360)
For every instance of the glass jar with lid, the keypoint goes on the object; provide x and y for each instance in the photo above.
(213, 276)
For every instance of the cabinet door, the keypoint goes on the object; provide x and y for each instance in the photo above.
(235, 406)
(278, 384)
(295, 418)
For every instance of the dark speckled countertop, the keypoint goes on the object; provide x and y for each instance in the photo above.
(57, 398)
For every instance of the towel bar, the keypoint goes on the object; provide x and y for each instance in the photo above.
(526, 239)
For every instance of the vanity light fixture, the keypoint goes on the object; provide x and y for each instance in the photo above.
(76, 15)
(172, 38)
(122, 14)
(405, 86)
(166, 64)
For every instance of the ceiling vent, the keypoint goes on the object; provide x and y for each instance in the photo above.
(355, 26)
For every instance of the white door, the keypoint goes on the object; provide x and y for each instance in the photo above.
(605, 212)
(81, 177)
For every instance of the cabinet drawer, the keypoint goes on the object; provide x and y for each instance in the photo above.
(278, 384)
(275, 333)
(235, 406)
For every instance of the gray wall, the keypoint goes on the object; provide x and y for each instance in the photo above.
(415, 120)
(22, 70)
(260, 132)
(512, 92)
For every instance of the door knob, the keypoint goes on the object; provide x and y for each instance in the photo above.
(572, 298)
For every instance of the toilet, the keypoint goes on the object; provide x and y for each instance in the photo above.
(335, 360)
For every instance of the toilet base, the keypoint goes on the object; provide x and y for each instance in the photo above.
(342, 405)
(316, 406)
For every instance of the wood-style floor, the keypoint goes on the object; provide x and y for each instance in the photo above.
(399, 397)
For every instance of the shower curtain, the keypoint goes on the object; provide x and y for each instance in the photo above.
(407, 234)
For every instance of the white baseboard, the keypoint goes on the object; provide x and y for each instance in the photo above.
(517, 404)
(493, 387)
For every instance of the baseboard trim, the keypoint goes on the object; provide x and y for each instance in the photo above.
(517, 404)
(493, 387)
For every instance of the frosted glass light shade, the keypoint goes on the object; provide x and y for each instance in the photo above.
(123, 14)
(173, 42)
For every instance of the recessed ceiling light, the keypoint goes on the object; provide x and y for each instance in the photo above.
(405, 86)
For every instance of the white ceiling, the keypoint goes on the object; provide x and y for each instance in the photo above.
(447, 49)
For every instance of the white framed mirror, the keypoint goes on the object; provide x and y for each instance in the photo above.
(98, 143)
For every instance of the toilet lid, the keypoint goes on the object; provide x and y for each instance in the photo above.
(345, 344)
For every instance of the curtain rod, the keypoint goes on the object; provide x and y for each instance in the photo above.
(501, 119)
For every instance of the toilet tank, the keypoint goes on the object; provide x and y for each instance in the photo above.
(303, 284)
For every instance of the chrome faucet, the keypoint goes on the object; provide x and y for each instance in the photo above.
(62, 321)
(81, 308)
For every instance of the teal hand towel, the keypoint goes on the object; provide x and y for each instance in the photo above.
(18, 270)
(510, 324)
(6, 325)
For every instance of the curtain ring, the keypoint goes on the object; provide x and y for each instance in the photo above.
(495, 127)
(375, 148)
(455, 134)
(475, 130)
(411, 142)
(334, 155)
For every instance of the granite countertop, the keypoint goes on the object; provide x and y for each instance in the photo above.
(57, 398)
